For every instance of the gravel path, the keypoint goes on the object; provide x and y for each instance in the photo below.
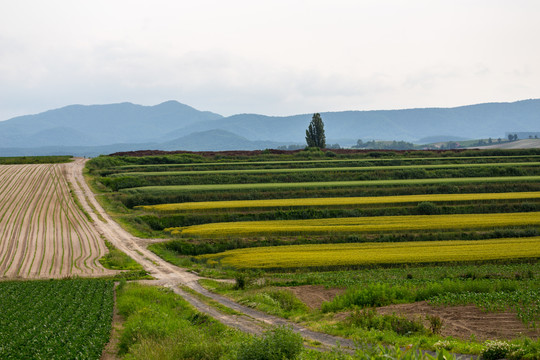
(168, 275)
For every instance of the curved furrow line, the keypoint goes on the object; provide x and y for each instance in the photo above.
(24, 197)
(27, 225)
(73, 225)
(91, 244)
(30, 234)
(14, 185)
(10, 181)
(37, 233)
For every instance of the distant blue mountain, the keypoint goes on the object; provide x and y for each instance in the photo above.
(175, 126)
(96, 125)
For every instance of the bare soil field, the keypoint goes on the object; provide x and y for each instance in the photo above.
(465, 321)
(460, 322)
(43, 234)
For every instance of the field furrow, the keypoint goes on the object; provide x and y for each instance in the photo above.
(42, 231)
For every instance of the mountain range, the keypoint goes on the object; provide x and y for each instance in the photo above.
(98, 129)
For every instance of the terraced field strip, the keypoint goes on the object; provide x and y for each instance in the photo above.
(296, 170)
(42, 231)
(358, 254)
(327, 184)
(339, 201)
(360, 224)
(500, 159)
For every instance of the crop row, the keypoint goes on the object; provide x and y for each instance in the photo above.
(148, 198)
(323, 169)
(122, 182)
(339, 201)
(366, 254)
(42, 231)
(329, 184)
(276, 164)
(361, 225)
(59, 319)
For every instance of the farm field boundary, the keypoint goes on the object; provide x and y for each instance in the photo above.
(361, 224)
(330, 184)
(325, 161)
(367, 254)
(43, 233)
(339, 201)
(296, 170)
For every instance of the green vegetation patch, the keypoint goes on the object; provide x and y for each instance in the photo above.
(296, 170)
(35, 160)
(329, 184)
(55, 319)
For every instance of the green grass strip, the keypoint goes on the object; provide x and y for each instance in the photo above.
(367, 159)
(329, 184)
(334, 169)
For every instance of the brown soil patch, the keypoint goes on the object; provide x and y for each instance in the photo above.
(465, 321)
(314, 295)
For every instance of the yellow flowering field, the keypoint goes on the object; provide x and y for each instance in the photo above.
(358, 254)
(360, 224)
(338, 201)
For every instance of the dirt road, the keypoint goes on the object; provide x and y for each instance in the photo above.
(168, 275)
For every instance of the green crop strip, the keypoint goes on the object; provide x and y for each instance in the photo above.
(329, 184)
(296, 170)
(277, 162)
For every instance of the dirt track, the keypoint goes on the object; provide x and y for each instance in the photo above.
(168, 275)
(43, 234)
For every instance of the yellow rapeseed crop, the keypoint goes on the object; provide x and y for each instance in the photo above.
(338, 201)
(361, 224)
(358, 254)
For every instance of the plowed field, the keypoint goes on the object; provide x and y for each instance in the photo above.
(43, 234)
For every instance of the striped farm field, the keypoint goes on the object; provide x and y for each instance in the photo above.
(328, 184)
(483, 159)
(339, 201)
(322, 169)
(365, 254)
(43, 234)
(361, 224)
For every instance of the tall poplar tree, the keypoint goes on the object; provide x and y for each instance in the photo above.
(315, 132)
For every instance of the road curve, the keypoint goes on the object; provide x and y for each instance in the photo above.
(166, 274)
(171, 276)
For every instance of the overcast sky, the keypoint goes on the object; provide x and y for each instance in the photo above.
(277, 57)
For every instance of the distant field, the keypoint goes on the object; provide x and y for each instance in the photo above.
(343, 255)
(338, 201)
(43, 233)
(302, 163)
(34, 160)
(330, 184)
(296, 170)
(360, 225)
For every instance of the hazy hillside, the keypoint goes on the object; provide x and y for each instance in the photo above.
(99, 124)
(171, 125)
(474, 121)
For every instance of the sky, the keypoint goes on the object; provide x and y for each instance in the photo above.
(275, 57)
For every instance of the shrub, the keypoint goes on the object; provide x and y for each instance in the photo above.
(427, 208)
(495, 350)
(278, 344)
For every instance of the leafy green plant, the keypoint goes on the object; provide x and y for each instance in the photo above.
(280, 343)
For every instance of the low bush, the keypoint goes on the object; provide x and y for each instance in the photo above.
(280, 343)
